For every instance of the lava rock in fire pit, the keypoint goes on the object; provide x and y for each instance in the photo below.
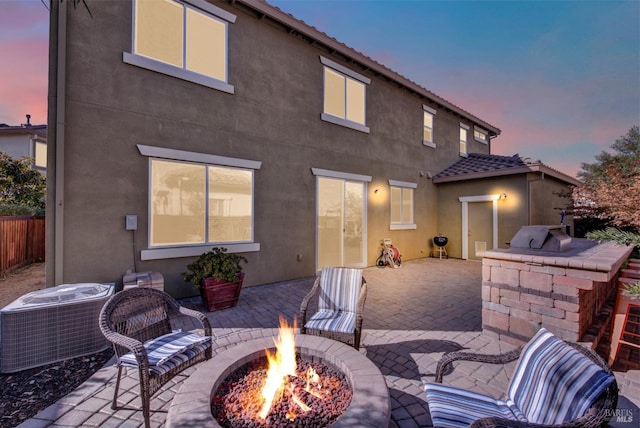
(303, 402)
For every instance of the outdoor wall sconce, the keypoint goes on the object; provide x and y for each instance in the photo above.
(503, 196)
(376, 191)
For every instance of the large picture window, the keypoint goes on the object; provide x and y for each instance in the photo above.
(185, 39)
(181, 214)
(198, 200)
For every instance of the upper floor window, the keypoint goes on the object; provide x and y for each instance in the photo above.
(197, 200)
(344, 96)
(464, 129)
(480, 135)
(186, 39)
(427, 132)
(402, 205)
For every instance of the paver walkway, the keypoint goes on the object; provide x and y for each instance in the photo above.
(413, 315)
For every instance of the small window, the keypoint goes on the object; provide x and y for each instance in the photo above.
(464, 129)
(41, 154)
(481, 135)
(427, 132)
(344, 96)
(182, 40)
(402, 205)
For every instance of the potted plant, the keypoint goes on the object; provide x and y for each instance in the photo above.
(218, 276)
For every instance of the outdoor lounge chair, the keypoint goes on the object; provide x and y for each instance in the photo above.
(555, 383)
(137, 322)
(343, 292)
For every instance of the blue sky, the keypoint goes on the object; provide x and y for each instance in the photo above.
(560, 78)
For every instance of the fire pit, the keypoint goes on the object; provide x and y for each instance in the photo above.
(369, 405)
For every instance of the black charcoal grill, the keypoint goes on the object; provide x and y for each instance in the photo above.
(441, 243)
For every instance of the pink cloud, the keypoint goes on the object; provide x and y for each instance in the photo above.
(24, 69)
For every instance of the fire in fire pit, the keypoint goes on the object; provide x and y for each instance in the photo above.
(282, 389)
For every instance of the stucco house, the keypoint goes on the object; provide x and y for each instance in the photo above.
(25, 140)
(232, 123)
(484, 199)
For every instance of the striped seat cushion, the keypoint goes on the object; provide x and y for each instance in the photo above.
(454, 407)
(554, 383)
(164, 348)
(338, 321)
(178, 359)
(339, 289)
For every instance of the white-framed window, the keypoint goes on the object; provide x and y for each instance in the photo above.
(344, 96)
(480, 135)
(428, 115)
(402, 204)
(464, 130)
(197, 201)
(184, 39)
(40, 154)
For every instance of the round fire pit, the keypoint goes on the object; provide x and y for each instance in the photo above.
(369, 405)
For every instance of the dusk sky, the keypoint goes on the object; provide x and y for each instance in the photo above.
(560, 78)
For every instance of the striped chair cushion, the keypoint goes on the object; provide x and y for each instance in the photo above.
(178, 359)
(554, 383)
(164, 348)
(338, 321)
(454, 407)
(339, 289)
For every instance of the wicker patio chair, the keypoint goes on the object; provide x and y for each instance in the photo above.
(555, 384)
(342, 293)
(137, 322)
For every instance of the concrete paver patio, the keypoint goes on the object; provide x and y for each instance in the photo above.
(413, 315)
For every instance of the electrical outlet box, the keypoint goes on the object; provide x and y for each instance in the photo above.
(131, 222)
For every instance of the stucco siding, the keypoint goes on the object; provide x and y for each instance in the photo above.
(272, 117)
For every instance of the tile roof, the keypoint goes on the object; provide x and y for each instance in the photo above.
(479, 165)
(354, 57)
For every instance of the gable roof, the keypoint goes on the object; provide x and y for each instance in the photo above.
(478, 165)
(354, 58)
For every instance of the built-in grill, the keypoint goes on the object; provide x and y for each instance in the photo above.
(546, 238)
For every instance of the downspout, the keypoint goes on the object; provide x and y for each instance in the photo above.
(55, 153)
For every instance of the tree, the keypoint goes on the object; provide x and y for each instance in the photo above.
(611, 188)
(22, 188)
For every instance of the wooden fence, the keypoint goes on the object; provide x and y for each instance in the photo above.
(21, 241)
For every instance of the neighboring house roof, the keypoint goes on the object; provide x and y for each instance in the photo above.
(40, 130)
(478, 165)
(315, 37)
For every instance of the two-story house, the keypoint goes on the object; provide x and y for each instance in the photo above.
(25, 140)
(231, 123)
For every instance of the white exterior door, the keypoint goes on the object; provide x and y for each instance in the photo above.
(475, 236)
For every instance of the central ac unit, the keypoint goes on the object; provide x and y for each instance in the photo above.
(51, 325)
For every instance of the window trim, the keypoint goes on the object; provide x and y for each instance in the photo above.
(169, 252)
(404, 185)
(148, 63)
(433, 112)
(464, 154)
(347, 73)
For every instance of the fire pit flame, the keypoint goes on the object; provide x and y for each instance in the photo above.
(281, 365)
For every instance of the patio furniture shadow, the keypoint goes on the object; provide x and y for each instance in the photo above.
(399, 358)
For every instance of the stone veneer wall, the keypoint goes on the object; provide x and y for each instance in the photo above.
(563, 292)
